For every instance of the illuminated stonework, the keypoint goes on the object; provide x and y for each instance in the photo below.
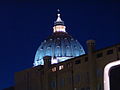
(59, 25)
(59, 28)
(60, 45)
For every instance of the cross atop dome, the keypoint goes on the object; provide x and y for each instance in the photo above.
(59, 24)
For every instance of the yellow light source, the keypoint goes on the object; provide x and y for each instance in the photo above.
(59, 28)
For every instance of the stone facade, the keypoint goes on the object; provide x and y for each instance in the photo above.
(81, 73)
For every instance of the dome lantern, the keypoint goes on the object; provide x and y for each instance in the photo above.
(59, 24)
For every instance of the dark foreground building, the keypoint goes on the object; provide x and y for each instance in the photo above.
(61, 64)
(81, 73)
(10, 88)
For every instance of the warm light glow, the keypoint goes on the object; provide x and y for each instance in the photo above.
(54, 69)
(61, 67)
(106, 73)
(59, 28)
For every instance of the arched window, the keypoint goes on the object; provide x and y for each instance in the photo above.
(68, 52)
(76, 51)
(48, 51)
(57, 51)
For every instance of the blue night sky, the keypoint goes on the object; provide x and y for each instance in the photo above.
(25, 24)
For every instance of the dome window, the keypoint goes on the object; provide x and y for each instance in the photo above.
(48, 51)
(68, 51)
(48, 47)
(44, 40)
(41, 49)
(58, 51)
(58, 46)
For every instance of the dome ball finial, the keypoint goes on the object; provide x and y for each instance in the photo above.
(58, 10)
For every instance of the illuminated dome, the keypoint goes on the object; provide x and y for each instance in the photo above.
(60, 45)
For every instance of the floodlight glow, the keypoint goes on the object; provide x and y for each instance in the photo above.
(53, 61)
(106, 73)
(59, 28)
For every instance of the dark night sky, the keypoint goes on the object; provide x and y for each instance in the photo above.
(25, 24)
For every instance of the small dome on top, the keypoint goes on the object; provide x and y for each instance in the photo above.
(60, 46)
(58, 21)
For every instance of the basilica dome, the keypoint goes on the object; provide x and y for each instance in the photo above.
(59, 45)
